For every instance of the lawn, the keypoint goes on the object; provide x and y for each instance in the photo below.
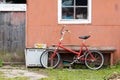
(71, 74)
(81, 74)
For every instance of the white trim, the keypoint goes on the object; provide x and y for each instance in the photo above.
(72, 21)
(12, 7)
(90, 11)
(79, 21)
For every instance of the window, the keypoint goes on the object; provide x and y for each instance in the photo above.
(74, 11)
(12, 5)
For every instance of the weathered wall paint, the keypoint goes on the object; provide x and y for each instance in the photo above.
(42, 25)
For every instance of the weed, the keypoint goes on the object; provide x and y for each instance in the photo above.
(1, 63)
(118, 64)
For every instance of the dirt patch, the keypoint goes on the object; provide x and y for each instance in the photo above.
(114, 76)
(12, 72)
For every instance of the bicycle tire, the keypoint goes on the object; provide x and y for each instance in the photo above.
(45, 59)
(97, 63)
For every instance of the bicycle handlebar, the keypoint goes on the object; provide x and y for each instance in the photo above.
(62, 31)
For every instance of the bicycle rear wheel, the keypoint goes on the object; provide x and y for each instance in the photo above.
(47, 62)
(97, 62)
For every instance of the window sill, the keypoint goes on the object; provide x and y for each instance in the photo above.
(74, 21)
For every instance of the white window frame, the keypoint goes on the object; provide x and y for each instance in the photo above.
(12, 7)
(76, 21)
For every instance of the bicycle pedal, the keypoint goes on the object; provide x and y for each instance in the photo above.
(71, 63)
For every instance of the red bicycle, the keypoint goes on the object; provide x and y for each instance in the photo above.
(93, 59)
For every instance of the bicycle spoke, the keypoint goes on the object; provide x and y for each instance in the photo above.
(49, 62)
(97, 62)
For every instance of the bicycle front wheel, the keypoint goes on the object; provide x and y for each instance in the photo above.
(47, 62)
(95, 63)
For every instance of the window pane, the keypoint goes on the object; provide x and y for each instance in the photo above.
(81, 13)
(67, 13)
(67, 2)
(81, 2)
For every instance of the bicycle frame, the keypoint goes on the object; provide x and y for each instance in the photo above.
(72, 51)
(78, 53)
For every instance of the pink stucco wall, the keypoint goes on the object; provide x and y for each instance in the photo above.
(43, 27)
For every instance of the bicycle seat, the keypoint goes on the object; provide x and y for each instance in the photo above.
(84, 37)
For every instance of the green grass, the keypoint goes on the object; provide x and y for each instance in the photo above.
(81, 74)
(71, 74)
